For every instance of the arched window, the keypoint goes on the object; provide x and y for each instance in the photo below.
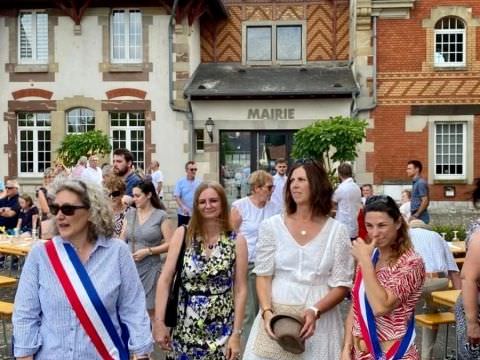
(450, 42)
(80, 120)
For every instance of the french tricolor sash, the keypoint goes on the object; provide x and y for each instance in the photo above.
(368, 326)
(86, 302)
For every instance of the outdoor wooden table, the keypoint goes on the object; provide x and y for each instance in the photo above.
(457, 248)
(446, 297)
(7, 281)
(16, 246)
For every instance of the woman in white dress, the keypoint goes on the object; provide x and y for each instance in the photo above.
(303, 266)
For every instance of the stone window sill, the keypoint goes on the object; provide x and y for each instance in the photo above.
(31, 68)
(124, 67)
(450, 68)
(450, 182)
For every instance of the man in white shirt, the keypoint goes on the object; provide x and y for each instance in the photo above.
(279, 180)
(157, 178)
(440, 266)
(92, 173)
(347, 199)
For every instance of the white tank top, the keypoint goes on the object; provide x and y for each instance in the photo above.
(252, 216)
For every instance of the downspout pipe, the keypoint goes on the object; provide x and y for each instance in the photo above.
(188, 112)
(373, 105)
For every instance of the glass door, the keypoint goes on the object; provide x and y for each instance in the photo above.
(242, 152)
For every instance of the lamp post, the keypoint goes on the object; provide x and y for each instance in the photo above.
(209, 125)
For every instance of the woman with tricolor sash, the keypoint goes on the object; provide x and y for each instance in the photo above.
(387, 287)
(79, 295)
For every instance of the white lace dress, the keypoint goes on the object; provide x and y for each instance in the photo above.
(302, 275)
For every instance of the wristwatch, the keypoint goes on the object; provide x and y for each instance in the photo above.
(316, 311)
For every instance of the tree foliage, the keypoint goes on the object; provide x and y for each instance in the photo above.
(330, 141)
(75, 146)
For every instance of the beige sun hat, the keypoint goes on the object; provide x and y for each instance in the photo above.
(286, 328)
(419, 224)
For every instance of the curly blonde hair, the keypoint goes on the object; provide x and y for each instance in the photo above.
(101, 215)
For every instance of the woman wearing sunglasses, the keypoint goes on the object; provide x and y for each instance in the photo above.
(116, 189)
(387, 287)
(304, 268)
(79, 292)
(148, 232)
(246, 215)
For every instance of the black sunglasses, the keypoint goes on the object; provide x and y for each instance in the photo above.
(9, 187)
(115, 193)
(66, 209)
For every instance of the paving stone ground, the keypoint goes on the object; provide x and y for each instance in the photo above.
(8, 294)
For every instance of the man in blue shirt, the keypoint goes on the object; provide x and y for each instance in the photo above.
(420, 198)
(184, 193)
(123, 167)
(9, 206)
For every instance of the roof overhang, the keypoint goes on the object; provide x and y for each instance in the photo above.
(219, 81)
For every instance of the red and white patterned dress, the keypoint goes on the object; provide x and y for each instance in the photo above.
(405, 280)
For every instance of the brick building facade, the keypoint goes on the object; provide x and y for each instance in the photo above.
(421, 85)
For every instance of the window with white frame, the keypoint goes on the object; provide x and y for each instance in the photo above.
(34, 144)
(128, 132)
(126, 36)
(450, 42)
(33, 37)
(80, 120)
(274, 43)
(450, 150)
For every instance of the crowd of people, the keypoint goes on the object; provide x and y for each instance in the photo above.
(262, 278)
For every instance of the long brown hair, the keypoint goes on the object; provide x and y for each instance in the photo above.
(385, 204)
(195, 227)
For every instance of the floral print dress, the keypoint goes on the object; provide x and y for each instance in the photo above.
(206, 307)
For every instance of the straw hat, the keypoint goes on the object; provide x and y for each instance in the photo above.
(286, 328)
(419, 224)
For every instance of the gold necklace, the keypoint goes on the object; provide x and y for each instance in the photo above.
(303, 232)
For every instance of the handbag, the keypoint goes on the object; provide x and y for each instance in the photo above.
(173, 295)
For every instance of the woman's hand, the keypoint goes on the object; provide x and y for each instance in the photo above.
(267, 315)
(141, 254)
(308, 328)
(362, 251)
(161, 334)
(233, 347)
(473, 333)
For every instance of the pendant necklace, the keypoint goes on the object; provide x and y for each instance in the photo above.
(303, 232)
(211, 246)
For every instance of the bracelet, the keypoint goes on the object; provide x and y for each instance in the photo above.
(316, 311)
(150, 252)
(264, 311)
(237, 331)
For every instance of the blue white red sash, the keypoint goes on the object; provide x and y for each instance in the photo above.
(368, 327)
(85, 301)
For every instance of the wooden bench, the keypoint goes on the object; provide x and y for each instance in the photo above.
(6, 311)
(433, 321)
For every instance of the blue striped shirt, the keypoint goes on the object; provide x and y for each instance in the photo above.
(44, 323)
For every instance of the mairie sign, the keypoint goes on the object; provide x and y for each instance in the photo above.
(271, 114)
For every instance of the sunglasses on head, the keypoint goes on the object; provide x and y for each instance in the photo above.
(66, 209)
(115, 193)
(383, 199)
(308, 161)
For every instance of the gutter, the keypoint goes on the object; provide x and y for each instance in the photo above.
(373, 105)
(189, 112)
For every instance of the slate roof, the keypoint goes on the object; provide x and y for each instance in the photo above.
(233, 80)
